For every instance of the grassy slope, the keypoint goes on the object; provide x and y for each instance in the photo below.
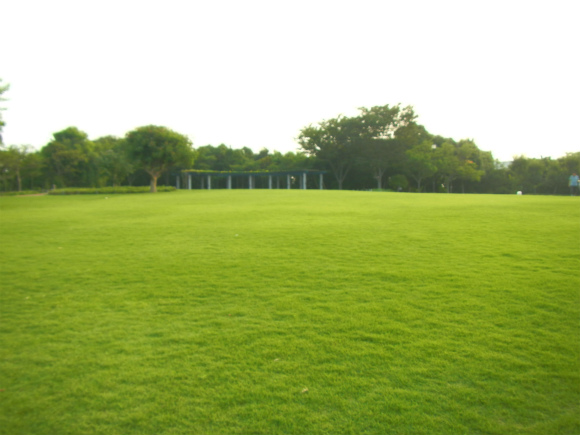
(212, 312)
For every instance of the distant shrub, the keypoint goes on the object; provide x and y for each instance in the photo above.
(23, 192)
(398, 182)
(108, 190)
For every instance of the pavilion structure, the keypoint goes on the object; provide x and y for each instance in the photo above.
(248, 179)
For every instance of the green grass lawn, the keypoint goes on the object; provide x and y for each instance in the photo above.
(289, 312)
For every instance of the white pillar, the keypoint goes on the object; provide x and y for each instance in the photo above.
(320, 177)
(229, 181)
(189, 181)
(287, 181)
(209, 182)
(269, 181)
(250, 181)
(304, 180)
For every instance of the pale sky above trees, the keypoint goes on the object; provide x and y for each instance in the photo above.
(253, 73)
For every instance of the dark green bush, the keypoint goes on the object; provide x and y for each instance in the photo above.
(108, 190)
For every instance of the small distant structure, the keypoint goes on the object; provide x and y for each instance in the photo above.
(280, 177)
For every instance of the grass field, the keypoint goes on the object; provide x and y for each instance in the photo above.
(289, 312)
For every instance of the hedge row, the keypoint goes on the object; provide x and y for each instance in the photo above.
(108, 190)
(22, 192)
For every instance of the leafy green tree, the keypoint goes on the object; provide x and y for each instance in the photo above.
(536, 174)
(3, 89)
(412, 134)
(420, 162)
(386, 131)
(398, 182)
(32, 170)
(67, 158)
(529, 174)
(292, 161)
(570, 163)
(379, 154)
(6, 167)
(518, 169)
(554, 177)
(335, 141)
(255, 162)
(112, 162)
(156, 149)
(543, 176)
(496, 176)
(13, 161)
(470, 159)
(447, 164)
(383, 122)
(207, 159)
(18, 163)
(377, 138)
(457, 161)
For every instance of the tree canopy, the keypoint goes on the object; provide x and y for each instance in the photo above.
(381, 147)
(375, 138)
(156, 149)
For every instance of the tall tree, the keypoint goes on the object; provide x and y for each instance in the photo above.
(374, 139)
(32, 170)
(156, 149)
(420, 162)
(458, 161)
(470, 162)
(12, 161)
(334, 141)
(112, 162)
(67, 157)
(379, 154)
(497, 179)
(447, 164)
(386, 131)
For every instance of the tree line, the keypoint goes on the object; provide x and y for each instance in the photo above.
(380, 148)
(385, 145)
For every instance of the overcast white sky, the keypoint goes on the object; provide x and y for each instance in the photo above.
(254, 72)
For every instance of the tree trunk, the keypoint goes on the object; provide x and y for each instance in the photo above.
(379, 177)
(448, 181)
(340, 175)
(340, 171)
(19, 180)
(154, 183)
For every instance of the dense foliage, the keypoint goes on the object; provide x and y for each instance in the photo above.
(156, 149)
(3, 89)
(382, 147)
